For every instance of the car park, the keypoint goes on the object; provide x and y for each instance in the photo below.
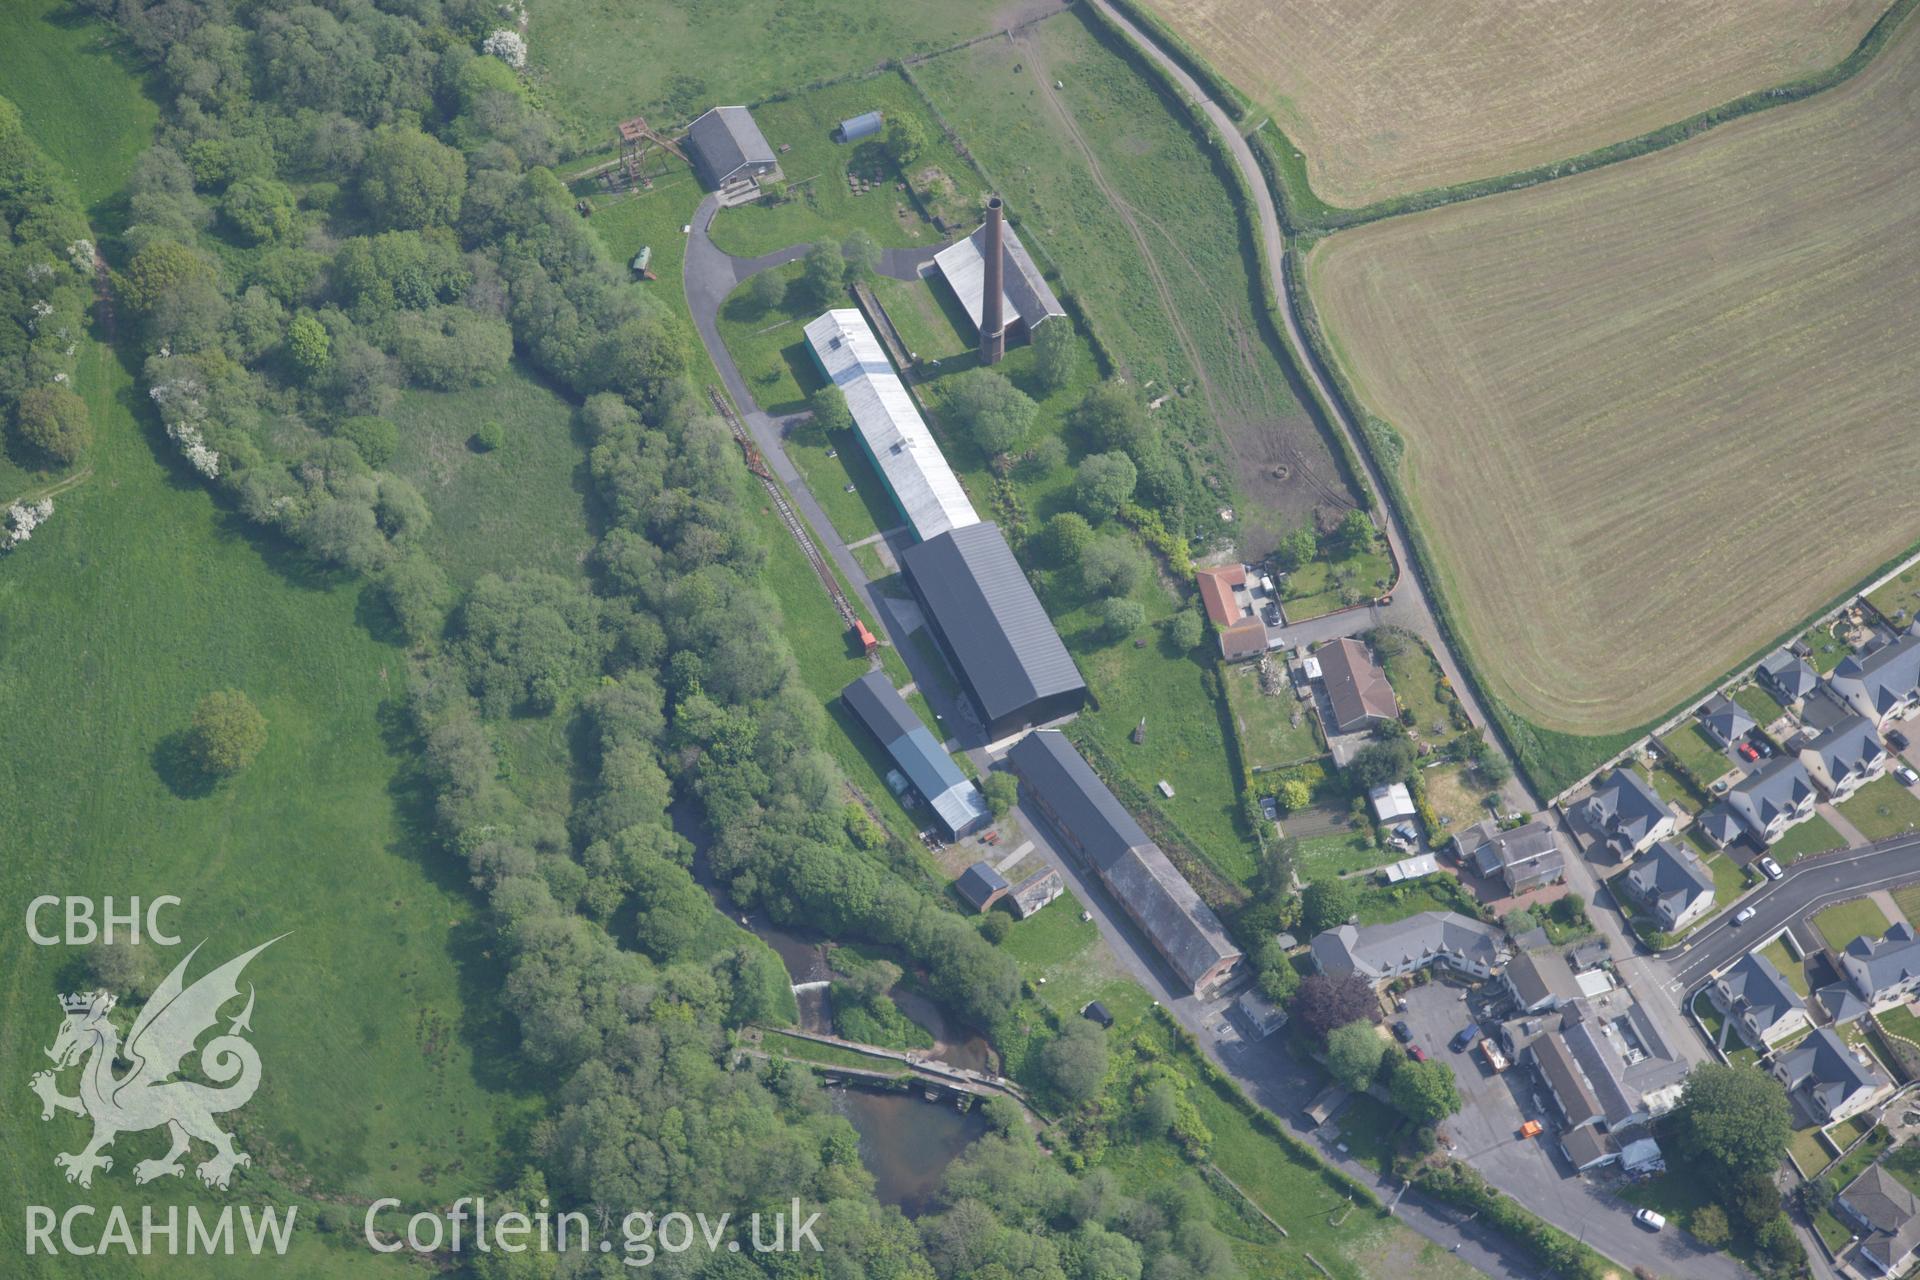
(1743, 915)
(1770, 869)
(1649, 1219)
(1402, 1032)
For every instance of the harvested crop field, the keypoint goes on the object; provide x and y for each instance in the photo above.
(1656, 413)
(1394, 96)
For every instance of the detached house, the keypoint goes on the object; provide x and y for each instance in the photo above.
(1778, 795)
(1626, 812)
(1787, 676)
(1827, 1080)
(1887, 1217)
(1885, 684)
(1725, 720)
(1357, 689)
(1523, 858)
(1672, 884)
(1846, 757)
(1884, 971)
(1759, 1001)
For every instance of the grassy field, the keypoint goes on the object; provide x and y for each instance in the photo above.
(1388, 99)
(1340, 853)
(824, 206)
(1882, 808)
(1576, 350)
(1458, 797)
(1102, 175)
(600, 61)
(1841, 924)
(1264, 724)
(522, 506)
(928, 318)
(652, 219)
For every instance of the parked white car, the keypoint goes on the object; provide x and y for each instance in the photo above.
(1743, 915)
(1649, 1219)
(1770, 869)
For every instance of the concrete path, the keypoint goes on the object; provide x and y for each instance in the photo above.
(1411, 608)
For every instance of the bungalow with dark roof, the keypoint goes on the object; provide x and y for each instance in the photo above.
(1757, 998)
(1786, 676)
(1672, 884)
(1626, 812)
(1522, 859)
(1357, 689)
(1846, 757)
(1884, 971)
(1829, 1082)
(1885, 684)
(1724, 720)
(1888, 1216)
(1778, 795)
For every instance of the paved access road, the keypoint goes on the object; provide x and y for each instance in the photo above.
(1809, 885)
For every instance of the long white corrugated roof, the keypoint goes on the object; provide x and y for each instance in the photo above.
(910, 462)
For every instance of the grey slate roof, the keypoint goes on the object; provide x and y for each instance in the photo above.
(1376, 949)
(1776, 787)
(1882, 679)
(1720, 824)
(1725, 719)
(1540, 976)
(1624, 803)
(1849, 749)
(1823, 1069)
(1531, 851)
(1588, 1147)
(1620, 1083)
(1668, 878)
(1882, 1203)
(725, 141)
(1889, 960)
(1135, 869)
(1565, 1077)
(1000, 635)
(878, 705)
(1755, 987)
(1841, 1002)
(1790, 676)
(980, 884)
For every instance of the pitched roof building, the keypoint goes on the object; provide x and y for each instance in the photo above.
(1540, 980)
(1221, 589)
(1725, 720)
(1093, 824)
(954, 799)
(1607, 1066)
(1884, 971)
(1778, 795)
(1670, 882)
(1787, 675)
(1846, 757)
(1760, 1001)
(1822, 1074)
(728, 147)
(980, 886)
(1027, 300)
(1885, 684)
(987, 616)
(1523, 858)
(1626, 812)
(1888, 1215)
(892, 433)
(1357, 689)
(1378, 951)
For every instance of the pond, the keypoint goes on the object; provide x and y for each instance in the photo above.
(906, 1142)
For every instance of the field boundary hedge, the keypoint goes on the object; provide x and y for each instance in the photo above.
(1217, 86)
(1304, 211)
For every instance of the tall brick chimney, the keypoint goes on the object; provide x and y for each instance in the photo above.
(993, 323)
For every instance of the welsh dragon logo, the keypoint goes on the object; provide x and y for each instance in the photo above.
(149, 1095)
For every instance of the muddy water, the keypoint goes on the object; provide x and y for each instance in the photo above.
(906, 1143)
(954, 1043)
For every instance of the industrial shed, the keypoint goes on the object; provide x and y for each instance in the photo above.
(1029, 301)
(1095, 825)
(891, 430)
(728, 147)
(1001, 641)
(876, 704)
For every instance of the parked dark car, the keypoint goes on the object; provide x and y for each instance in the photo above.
(1464, 1038)
(1897, 740)
(1402, 1032)
(1760, 743)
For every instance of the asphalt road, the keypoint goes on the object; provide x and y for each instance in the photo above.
(1809, 885)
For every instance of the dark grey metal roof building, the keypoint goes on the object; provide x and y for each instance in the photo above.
(1094, 824)
(981, 885)
(878, 705)
(728, 145)
(985, 613)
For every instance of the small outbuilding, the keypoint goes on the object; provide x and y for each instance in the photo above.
(980, 886)
(1097, 1012)
(857, 127)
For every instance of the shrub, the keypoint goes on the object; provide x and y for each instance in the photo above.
(995, 926)
(1001, 792)
(53, 420)
(227, 732)
(1184, 629)
(1119, 618)
(1105, 481)
(1110, 566)
(375, 438)
(491, 435)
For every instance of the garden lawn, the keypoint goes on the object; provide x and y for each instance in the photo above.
(1383, 904)
(1854, 1163)
(1671, 787)
(1729, 881)
(1828, 649)
(1758, 703)
(1696, 752)
(521, 506)
(1057, 945)
(926, 315)
(1900, 1021)
(1321, 586)
(1368, 1127)
(1882, 808)
(823, 206)
(1790, 967)
(1908, 900)
(1899, 599)
(1458, 797)
(1420, 686)
(1810, 1151)
(1842, 923)
(1714, 1021)
(1343, 853)
(1265, 724)
(1815, 835)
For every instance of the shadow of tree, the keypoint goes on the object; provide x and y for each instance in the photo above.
(174, 760)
